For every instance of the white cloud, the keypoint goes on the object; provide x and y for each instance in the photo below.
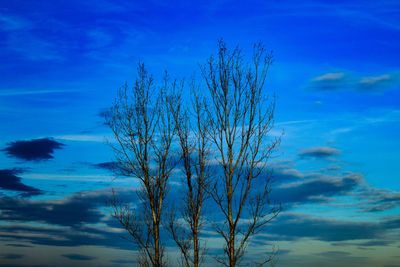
(83, 138)
(375, 79)
(338, 81)
(329, 77)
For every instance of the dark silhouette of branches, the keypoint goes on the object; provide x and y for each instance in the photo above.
(193, 141)
(241, 119)
(143, 125)
(231, 125)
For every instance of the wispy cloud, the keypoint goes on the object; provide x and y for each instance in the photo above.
(376, 200)
(329, 82)
(80, 178)
(329, 77)
(376, 82)
(14, 92)
(79, 257)
(20, 38)
(317, 188)
(18, 245)
(319, 152)
(98, 38)
(34, 48)
(11, 22)
(75, 221)
(63, 236)
(339, 81)
(110, 165)
(12, 256)
(82, 138)
(292, 226)
(77, 209)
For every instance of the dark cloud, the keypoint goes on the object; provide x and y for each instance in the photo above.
(24, 265)
(12, 256)
(284, 172)
(295, 226)
(370, 243)
(79, 208)
(376, 200)
(10, 181)
(79, 257)
(292, 186)
(319, 152)
(111, 165)
(72, 211)
(373, 243)
(338, 81)
(284, 175)
(79, 220)
(19, 245)
(35, 150)
(74, 232)
(315, 189)
(86, 132)
(104, 113)
(64, 236)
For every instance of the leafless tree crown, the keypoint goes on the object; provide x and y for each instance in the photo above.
(229, 127)
(144, 127)
(240, 125)
(192, 126)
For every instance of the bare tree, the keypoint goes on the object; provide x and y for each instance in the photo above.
(143, 126)
(234, 126)
(240, 125)
(193, 141)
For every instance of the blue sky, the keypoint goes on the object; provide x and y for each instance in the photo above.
(336, 76)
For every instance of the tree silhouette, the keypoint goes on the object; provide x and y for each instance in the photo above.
(228, 127)
(241, 119)
(143, 125)
(192, 126)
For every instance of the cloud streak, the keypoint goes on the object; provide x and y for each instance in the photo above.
(13, 92)
(315, 189)
(293, 226)
(319, 152)
(341, 81)
(63, 237)
(78, 209)
(11, 22)
(79, 220)
(12, 256)
(111, 165)
(377, 200)
(78, 257)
